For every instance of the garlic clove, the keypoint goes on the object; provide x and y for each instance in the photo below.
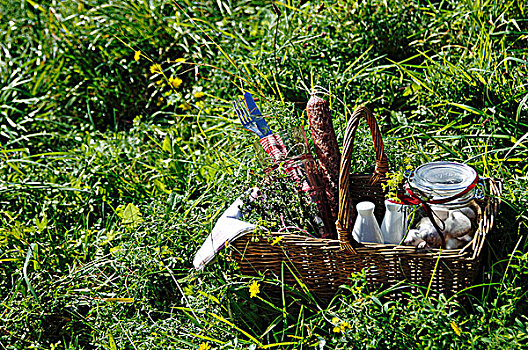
(421, 245)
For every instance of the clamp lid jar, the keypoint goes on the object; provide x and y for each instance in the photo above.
(447, 192)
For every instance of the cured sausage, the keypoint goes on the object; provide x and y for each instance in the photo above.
(327, 151)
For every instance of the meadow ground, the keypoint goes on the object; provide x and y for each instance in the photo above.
(119, 149)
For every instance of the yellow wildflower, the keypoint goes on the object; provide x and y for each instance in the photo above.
(204, 346)
(254, 289)
(155, 68)
(180, 60)
(200, 104)
(160, 101)
(340, 326)
(175, 82)
(277, 240)
(199, 94)
(185, 106)
(137, 55)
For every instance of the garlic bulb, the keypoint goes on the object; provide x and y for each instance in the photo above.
(457, 224)
(428, 233)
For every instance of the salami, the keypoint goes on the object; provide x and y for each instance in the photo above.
(327, 151)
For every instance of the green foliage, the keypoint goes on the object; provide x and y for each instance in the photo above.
(119, 150)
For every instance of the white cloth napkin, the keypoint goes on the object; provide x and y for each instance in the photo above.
(228, 228)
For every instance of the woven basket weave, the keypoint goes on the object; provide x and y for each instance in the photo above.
(324, 264)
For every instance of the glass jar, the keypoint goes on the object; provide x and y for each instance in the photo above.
(449, 189)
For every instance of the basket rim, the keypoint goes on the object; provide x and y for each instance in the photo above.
(372, 248)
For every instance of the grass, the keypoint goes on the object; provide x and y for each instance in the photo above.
(113, 172)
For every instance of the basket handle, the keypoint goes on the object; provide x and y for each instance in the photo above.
(346, 208)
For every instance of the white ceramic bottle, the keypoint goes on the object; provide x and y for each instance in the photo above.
(366, 228)
(394, 222)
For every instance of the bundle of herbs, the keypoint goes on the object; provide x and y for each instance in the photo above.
(281, 205)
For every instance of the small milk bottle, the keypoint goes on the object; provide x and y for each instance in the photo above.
(366, 228)
(394, 222)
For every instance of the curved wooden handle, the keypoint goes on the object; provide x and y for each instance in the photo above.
(346, 208)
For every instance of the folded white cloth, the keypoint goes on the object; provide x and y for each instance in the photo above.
(228, 228)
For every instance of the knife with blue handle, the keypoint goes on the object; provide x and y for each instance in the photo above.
(253, 110)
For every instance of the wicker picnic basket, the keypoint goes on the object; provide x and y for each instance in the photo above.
(325, 264)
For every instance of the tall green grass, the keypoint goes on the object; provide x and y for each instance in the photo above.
(113, 170)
